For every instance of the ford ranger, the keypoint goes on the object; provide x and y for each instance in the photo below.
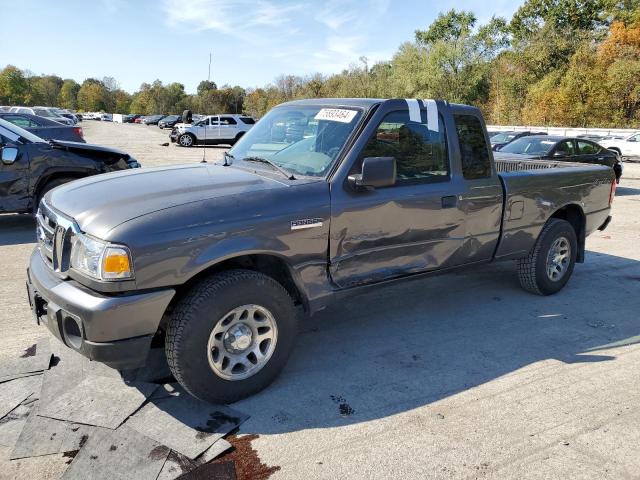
(322, 199)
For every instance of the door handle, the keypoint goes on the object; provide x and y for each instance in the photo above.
(450, 201)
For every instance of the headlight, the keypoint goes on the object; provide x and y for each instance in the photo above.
(100, 260)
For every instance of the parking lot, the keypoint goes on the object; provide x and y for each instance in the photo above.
(456, 376)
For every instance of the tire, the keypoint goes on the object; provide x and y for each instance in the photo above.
(207, 308)
(533, 270)
(186, 140)
(50, 185)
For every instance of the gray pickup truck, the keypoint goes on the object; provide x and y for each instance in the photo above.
(322, 199)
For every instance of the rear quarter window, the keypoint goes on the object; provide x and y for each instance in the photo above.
(474, 152)
(247, 120)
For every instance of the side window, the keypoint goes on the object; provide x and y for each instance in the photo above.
(227, 121)
(587, 148)
(214, 121)
(635, 138)
(421, 154)
(565, 148)
(20, 121)
(474, 151)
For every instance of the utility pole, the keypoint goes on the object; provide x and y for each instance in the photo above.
(209, 74)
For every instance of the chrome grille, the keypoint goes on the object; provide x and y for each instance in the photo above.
(45, 230)
(54, 233)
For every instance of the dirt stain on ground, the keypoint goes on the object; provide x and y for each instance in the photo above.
(215, 423)
(245, 459)
(29, 352)
(70, 455)
(343, 407)
(83, 440)
(159, 453)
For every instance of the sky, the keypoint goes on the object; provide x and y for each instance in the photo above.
(251, 41)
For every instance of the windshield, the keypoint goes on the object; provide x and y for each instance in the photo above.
(304, 140)
(503, 137)
(20, 131)
(41, 112)
(529, 146)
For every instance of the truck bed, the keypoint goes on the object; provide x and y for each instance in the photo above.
(535, 189)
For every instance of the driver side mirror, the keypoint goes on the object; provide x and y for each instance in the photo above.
(559, 154)
(376, 172)
(9, 155)
(631, 139)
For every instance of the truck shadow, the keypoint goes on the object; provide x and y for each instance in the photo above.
(627, 191)
(17, 229)
(410, 345)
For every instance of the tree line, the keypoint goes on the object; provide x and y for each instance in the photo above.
(555, 62)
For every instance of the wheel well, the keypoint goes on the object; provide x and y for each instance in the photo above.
(270, 265)
(575, 216)
(55, 176)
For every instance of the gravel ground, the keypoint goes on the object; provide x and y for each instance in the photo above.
(458, 376)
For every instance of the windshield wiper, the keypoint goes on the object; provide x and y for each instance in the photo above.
(287, 174)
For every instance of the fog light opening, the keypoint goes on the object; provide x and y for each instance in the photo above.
(73, 332)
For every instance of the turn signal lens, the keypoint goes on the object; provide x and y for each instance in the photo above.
(116, 263)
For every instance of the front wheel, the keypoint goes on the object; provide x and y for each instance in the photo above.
(549, 265)
(186, 140)
(231, 335)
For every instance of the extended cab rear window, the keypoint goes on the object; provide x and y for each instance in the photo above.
(474, 152)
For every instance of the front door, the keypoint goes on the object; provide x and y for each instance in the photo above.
(414, 226)
(14, 177)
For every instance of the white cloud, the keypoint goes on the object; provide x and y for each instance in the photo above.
(311, 37)
(229, 17)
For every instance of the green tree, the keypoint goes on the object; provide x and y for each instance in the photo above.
(205, 86)
(44, 90)
(13, 86)
(93, 96)
(68, 96)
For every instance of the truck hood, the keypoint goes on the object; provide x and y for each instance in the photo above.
(100, 203)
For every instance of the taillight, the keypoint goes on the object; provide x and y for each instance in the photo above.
(612, 194)
(78, 131)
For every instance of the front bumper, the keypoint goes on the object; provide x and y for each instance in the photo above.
(115, 330)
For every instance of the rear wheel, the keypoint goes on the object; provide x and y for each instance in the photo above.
(186, 140)
(231, 335)
(549, 265)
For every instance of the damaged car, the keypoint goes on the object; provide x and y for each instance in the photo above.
(31, 166)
